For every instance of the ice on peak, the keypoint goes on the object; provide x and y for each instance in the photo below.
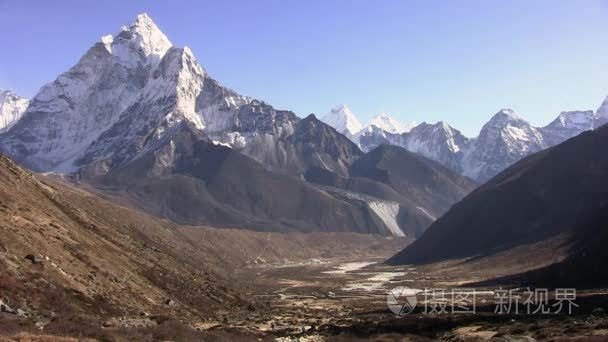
(443, 126)
(343, 120)
(188, 52)
(508, 112)
(12, 107)
(6, 94)
(107, 41)
(387, 123)
(144, 25)
(142, 37)
(504, 117)
(602, 112)
(188, 56)
(144, 19)
(575, 117)
(341, 108)
(568, 125)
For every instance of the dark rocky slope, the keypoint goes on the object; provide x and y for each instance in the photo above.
(561, 191)
(190, 180)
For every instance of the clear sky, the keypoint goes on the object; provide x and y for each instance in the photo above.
(454, 60)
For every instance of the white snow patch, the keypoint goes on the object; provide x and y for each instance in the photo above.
(215, 142)
(388, 211)
(349, 267)
(373, 283)
(425, 212)
(517, 133)
(387, 123)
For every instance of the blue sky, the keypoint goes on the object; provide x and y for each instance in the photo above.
(458, 61)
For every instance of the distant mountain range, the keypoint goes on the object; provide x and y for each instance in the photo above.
(346, 122)
(503, 140)
(560, 192)
(120, 73)
(139, 118)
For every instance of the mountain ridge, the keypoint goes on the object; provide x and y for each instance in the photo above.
(504, 139)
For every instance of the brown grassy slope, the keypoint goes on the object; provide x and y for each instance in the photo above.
(239, 248)
(108, 260)
(98, 258)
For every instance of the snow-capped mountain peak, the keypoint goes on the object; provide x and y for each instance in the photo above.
(503, 140)
(504, 116)
(568, 125)
(582, 120)
(387, 123)
(124, 95)
(343, 120)
(12, 107)
(142, 37)
(509, 125)
(437, 141)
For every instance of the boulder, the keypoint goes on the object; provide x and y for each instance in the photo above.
(35, 259)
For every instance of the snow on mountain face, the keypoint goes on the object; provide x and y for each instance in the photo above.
(568, 125)
(383, 129)
(387, 123)
(601, 115)
(438, 142)
(142, 37)
(580, 120)
(343, 120)
(372, 136)
(12, 107)
(388, 213)
(130, 93)
(122, 96)
(408, 126)
(505, 139)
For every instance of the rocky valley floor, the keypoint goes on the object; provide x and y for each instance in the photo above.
(343, 299)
